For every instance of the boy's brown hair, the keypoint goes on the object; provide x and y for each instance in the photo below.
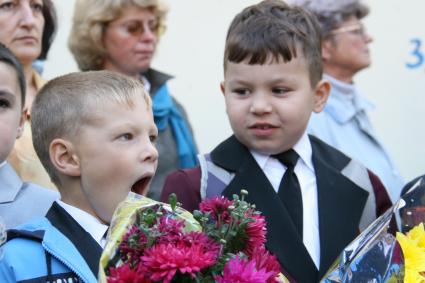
(273, 28)
(65, 104)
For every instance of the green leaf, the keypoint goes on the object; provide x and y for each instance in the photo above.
(172, 200)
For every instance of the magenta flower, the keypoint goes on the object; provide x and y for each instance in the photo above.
(124, 274)
(239, 270)
(133, 245)
(217, 206)
(170, 230)
(264, 260)
(256, 234)
(162, 261)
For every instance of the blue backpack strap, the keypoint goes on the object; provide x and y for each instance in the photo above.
(214, 179)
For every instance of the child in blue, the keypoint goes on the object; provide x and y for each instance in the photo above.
(94, 135)
(19, 201)
(314, 204)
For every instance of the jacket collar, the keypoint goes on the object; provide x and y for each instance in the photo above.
(156, 79)
(340, 205)
(10, 183)
(84, 244)
(341, 202)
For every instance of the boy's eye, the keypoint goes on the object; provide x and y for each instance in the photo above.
(4, 103)
(241, 91)
(280, 90)
(153, 138)
(126, 137)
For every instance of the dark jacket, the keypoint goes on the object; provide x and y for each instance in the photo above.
(341, 202)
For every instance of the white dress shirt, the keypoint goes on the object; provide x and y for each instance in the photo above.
(304, 169)
(88, 222)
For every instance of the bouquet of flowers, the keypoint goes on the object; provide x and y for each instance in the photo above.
(154, 242)
(376, 255)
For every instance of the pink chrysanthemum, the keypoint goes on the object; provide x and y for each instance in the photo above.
(133, 245)
(256, 234)
(217, 206)
(124, 274)
(168, 225)
(199, 238)
(239, 270)
(171, 230)
(162, 261)
(264, 260)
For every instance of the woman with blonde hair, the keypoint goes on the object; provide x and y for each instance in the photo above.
(27, 28)
(121, 36)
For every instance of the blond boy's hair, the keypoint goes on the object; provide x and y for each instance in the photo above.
(66, 103)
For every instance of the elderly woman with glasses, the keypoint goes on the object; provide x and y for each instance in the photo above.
(345, 123)
(121, 36)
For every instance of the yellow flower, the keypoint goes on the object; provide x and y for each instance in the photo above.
(413, 246)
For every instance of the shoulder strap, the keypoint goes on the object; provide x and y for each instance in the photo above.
(36, 235)
(214, 179)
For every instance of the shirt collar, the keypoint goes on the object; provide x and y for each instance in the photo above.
(10, 180)
(345, 102)
(87, 221)
(146, 83)
(302, 147)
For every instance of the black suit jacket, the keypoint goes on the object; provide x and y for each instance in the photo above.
(340, 203)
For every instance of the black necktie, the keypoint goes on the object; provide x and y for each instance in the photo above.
(290, 190)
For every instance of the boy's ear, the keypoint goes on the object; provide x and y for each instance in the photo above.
(63, 157)
(321, 94)
(222, 87)
(21, 125)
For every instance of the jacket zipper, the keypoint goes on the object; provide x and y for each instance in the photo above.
(67, 264)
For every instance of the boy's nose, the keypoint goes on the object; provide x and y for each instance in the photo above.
(149, 153)
(260, 105)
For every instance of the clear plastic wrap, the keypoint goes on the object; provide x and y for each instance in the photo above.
(375, 255)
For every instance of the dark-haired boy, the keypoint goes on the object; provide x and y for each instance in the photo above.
(19, 201)
(272, 84)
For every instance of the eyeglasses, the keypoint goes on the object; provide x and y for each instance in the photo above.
(357, 29)
(137, 28)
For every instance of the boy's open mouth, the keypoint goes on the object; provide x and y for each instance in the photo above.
(141, 186)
